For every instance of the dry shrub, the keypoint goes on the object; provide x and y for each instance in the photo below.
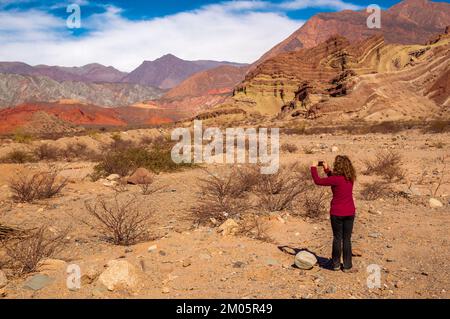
(315, 203)
(25, 252)
(29, 186)
(289, 148)
(147, 185)
(78, 150)
(277, 192)
(222, 197)
(375, 190)
(308, 150)
(46, 152)
(119, 220)
(18, 157)
(153, 140)
(386, 164)
(8, 232)
(437, 127)
(248, 177)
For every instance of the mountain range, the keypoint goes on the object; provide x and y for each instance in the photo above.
(408, 22)
(169, 71)
(333, 64)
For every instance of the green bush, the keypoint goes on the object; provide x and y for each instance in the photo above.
(18, 157)
(125, 161)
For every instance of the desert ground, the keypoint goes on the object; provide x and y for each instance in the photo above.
(402, 232)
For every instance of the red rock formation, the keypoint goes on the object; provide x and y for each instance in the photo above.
(220, 80)
(65, 116)
(409, 22)
(370, 79)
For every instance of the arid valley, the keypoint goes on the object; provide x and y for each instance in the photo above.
(93, 205)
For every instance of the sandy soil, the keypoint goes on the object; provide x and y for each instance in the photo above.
(404, 236)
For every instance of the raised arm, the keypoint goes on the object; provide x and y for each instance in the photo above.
(327, 181)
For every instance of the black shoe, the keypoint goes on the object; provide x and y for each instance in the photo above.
(331, 266)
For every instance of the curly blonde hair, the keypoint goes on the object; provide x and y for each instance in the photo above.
(343, 167)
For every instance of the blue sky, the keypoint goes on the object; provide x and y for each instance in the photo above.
(124, 33)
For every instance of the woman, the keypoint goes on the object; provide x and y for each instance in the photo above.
(342, 210)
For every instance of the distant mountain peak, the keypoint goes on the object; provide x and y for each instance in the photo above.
(407, 22)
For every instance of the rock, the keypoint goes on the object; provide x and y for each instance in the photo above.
(120, 274)
(288, 250)
(140, 176)
(434, 203)
(3, 279)
(37, 282)
(229, 227)
(374, 235)
(165, 290)
(51, 265)
(89, 275)
(238, 264)
(186, 263)
(152, 248)
(334, 149)
(113, 177)
(162, 253)
(305, 260)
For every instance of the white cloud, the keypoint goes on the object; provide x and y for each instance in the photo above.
(332, 4)
(238, 31)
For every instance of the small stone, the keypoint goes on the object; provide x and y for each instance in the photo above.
(37, 282)
(3, 279)
(90, 274)
(374, 235)
(334, 149)
(165, 290)
(434, 203)
(162, 253)
(140, 176)
(398, 284)
(152, 248)
(113, 177)
(390, 260)
(238, 264)
(186, 263)
(229, 227)
(128, 250)
(120, 274)
(305, 260)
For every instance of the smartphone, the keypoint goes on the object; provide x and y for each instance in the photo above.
(321, 163)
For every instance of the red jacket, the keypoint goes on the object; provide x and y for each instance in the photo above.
(342, 203)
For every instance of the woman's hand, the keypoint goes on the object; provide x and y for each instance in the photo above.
(325, 165)
(314, 164)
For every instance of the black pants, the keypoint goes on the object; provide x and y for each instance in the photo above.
(342, 237)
